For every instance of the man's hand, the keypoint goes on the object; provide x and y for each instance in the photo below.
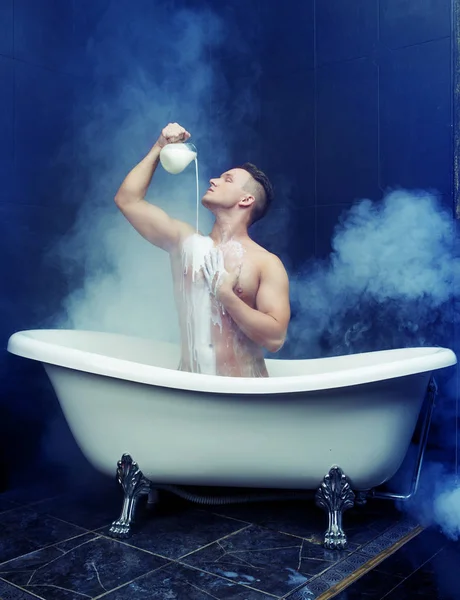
(151, 221)
(219, 280)
(172, 134)
(266, 324)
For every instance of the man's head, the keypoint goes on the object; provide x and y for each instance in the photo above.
(244, 190)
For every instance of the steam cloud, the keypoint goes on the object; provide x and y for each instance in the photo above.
(118, 281)
(446, 510)
(438, 500)
(388, 283)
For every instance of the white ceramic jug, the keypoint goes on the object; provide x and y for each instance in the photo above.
(175, 158)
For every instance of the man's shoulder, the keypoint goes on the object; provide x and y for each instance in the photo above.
(268, 259)
(274, 262)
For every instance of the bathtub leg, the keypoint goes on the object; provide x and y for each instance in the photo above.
(335, 496)
(134, 484)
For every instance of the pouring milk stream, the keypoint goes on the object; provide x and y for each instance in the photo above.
(175, 158)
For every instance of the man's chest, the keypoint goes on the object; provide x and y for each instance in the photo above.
(247, 284)
(239, 262)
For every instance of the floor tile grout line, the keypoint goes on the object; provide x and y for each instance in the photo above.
(20, 588)
(68, 523)
(243, 585)
(375, 561)
(317, 575)
(172, 562)
(263, 526)
(414, 571)
(169, 562)
(132, 580)
(45, 548)
(122, 541)
(338, 562)
(178, 561)
(347, 556)
(267, 549)
(305, 584)
(290, 594)
(51, 515)
(247, 523)
(201, 590)
(333, 564)
(67, 552)
(43, 500)
(309, 540)
(58, 587)
(125, 543)
(215, 541)
(8, 510)
(31, 505)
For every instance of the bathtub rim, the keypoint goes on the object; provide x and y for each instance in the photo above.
(23, 344)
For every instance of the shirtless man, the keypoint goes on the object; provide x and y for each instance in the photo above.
(232, 295)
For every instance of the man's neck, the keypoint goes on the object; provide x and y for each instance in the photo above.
(223, 231)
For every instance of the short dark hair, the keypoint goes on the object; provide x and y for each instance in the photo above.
(261, 188)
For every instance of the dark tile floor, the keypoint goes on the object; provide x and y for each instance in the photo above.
(426, 567)
(55, 547)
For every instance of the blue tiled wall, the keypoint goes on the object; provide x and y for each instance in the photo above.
(36, 102)
(363, 91)
(384, 83)
(6, 27)
(6, 127)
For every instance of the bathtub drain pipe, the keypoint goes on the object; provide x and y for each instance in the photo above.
(216, 500)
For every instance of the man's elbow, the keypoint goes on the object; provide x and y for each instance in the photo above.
(275, 344)
(123, 199)
(120, 199)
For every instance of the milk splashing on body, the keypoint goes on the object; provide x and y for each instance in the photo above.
(197, 304)
(201, 312)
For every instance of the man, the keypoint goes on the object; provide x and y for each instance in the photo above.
(231, 294)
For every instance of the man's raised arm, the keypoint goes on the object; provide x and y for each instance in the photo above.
(151, 221)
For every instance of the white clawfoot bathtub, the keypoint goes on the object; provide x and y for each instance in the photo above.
(124, 395)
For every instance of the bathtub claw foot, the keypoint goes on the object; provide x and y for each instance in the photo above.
(134, 485)
(120, 529)
(335, 540)
(335, 496)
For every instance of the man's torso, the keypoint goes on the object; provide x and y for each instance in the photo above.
(212, 343)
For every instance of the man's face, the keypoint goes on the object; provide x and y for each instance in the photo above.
(227, 190)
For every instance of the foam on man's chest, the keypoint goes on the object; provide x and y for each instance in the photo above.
(194, 250)
(202, 310)
(197, 304)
